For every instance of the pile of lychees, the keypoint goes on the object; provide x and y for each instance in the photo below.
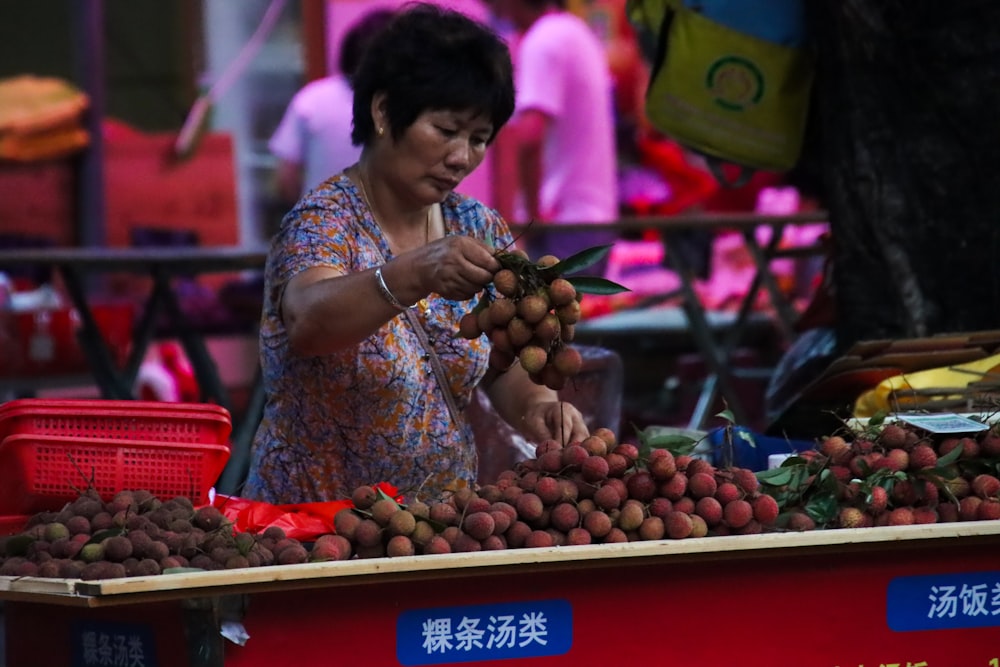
(137, 534)
(596, 491)
(889, 475)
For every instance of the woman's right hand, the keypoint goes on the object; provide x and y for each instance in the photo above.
(455, 267)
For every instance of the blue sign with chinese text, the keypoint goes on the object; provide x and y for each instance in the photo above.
(944, 601)
(484, 632)
(110, 644)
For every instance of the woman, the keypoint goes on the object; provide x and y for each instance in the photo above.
(369, 274)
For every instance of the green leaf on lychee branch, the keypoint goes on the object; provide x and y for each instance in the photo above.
(436, 525)
(516, 263)
(102, 535)
(17, 545)
(775, 477)
(937, 480)
(822, 508)
(596, 285)
(578, 261)
(483, 303)
(826, 481)
(382, 495)
(877, 418)
(678, 445)
(949, 458)
(664, 437)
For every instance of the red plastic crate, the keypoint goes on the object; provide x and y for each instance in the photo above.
(116, 420)
(44, 472)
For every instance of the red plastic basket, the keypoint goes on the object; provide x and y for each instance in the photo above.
(43, 472)
(118, 420)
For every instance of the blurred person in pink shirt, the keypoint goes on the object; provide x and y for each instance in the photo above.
(564, 127)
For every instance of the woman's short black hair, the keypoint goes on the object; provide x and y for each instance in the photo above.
(429, 58)
(358, 36)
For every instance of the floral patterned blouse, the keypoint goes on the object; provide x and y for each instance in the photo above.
(373, 412)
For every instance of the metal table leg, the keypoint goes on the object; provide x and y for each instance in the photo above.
(108, 380)
(205, 369)
(715, 357)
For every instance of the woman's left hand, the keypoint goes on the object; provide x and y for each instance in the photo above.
(554, 419)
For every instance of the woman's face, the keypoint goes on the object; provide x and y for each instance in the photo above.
(437, 152)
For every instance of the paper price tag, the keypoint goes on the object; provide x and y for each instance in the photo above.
(944, 423)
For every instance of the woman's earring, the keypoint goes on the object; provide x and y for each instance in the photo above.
(380, 131)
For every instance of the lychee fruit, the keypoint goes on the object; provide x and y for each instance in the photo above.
(597, 523)
(561, 292)
(800, 521)
(985, 486)
(632, 515)
(595, 468)
(539, 539)
(519, 333)
(737, 513)
(836, 449)
(468, 326)
(710, 510)
(655, 528)
(573, 456)
(968, 508)
(765, 509)
(673, 488)
(363, 497)
(607, 435)
(533, 358)
(922, 456)
(698, 526)
(746, 480)
(401, 523)
(506, 283)
(661, 464)
(547, 329)
(988, 510)
(569, 314)
(564, 517)
(568, 361)
(901, 516)
(677, 526)
(437, 545)
(595, 445)
(641, 486)
(878, 500)
(893, 436)
(479, 525)
(727, 492)
(529, 507)
(532, 308)
(701, 485)
(850, 517)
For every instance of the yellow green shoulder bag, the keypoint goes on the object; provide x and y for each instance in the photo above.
(731, 78)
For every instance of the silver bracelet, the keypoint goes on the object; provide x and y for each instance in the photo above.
(389, 296)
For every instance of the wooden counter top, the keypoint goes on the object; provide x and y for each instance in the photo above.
(734, 548)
